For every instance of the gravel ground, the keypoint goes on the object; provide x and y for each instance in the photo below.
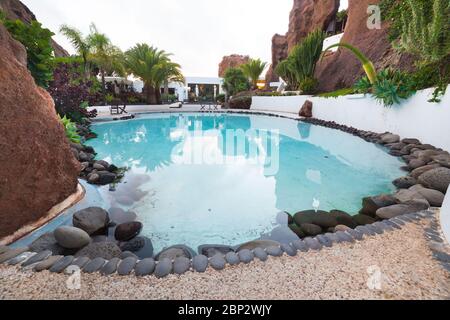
(403, 258)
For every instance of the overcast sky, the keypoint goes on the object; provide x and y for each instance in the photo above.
(198, 32)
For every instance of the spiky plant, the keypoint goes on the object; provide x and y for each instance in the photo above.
(253, 70)
(298, 69)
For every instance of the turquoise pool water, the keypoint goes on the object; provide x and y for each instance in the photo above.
(198, 179)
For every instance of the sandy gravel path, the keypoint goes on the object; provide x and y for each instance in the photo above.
(403, 258)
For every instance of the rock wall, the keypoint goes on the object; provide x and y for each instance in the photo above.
(37, 167)
(279, 53)
(306, 16)
(15, 9)
(232, 61)
(309, 15)
(342, 69)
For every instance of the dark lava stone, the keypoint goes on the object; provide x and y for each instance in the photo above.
(128, 231)
(176, 251)
(311, 229)
(362, 219)
(126, 266)
(106, 177)
(200, 263)
(145, 267)
(320, 218)
(94, 265)
(405, 182)
(372, 204)
(297, 230)
(163, 268)
(140, 246)
(210, 250)
(110, 267)
(343, 218)
(62, 264)
(181, 265)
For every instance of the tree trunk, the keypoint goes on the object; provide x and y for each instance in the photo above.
(158, 96)
(103, 87)
(151, 94)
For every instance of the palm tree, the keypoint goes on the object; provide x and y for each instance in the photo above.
(153, 67)
(253, 70)
(105, 55)
(81, 44)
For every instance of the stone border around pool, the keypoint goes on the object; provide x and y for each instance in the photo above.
(58, 264)
(38, 262)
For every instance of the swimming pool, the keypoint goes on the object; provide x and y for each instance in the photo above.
(197, 178)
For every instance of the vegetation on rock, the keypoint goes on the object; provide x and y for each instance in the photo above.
(71, 130)
(37, 42)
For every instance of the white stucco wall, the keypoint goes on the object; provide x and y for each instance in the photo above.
(415, 118)
(445, 216)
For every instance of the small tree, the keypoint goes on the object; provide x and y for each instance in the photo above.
(253, 70)
(235, 81)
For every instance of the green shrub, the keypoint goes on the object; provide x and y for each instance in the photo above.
(71, 130)
(37, 42)
(235, 81)
(220, 98)
(241, 103)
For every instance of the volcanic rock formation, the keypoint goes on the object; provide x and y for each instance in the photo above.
(37, 168)
(232, 61)
(14, 9)
(279, 53)
(306, 16)
(342, 69)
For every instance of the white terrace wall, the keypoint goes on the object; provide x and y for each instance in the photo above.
(415, 118)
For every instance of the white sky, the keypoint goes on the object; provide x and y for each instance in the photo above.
(198, 32)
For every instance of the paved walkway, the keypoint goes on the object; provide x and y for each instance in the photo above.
(104, 113)
(402, 260)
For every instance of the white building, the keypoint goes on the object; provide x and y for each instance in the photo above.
(194, 86)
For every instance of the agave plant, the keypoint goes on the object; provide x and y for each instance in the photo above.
(253, 70)
(368, 66)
